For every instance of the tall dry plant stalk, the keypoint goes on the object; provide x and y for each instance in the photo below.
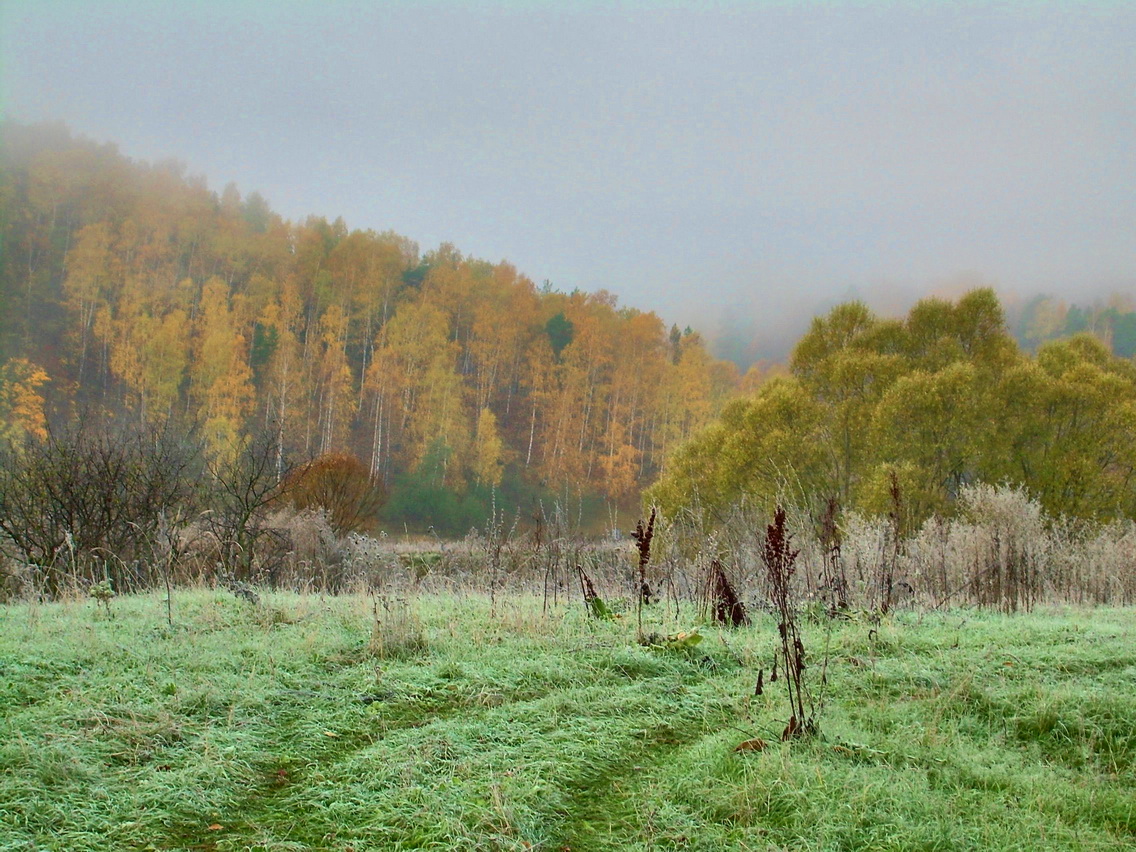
(546, 537)
(396, 631)
(728, 608)
(886, 580)
(643, 536)
(593, 603)
(779, 557)
(497, 537)
(833, 579)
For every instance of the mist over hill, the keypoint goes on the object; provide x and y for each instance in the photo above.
(746, 332)
(766, 159)
(134, 289)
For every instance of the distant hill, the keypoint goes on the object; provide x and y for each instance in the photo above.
(135, 288)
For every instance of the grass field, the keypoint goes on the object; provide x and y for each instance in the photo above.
(296, 725)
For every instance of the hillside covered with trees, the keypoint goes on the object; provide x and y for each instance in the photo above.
(1112, 321)
(892, 416)
(134, 289)
(136, 292)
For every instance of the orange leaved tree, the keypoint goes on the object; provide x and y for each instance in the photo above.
(339, 484)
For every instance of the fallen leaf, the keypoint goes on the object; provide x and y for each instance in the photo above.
(330, 734)
(216, 827)
(790, 729)
(756, 744)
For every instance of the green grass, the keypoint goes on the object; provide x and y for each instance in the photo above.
(278, 728)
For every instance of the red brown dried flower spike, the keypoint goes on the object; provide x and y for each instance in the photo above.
(779, 557)
(643, 536)
(586, 586)
(728, 608)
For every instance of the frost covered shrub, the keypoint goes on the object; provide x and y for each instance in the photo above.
(16, 580)
(995, 553)
(865, 547)
(373, 562)
(306, 553)
(1002, 551)
(1008, 545)
(1095, 565)
(1113, 551)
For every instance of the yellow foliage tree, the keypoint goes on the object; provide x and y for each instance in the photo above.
(222, 380)
(21, 404)
(488, 448)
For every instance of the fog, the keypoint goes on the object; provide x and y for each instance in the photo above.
(734, 168)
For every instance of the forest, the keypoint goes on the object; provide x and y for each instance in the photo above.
(133, 297)
(897, 416)
(133, 290)
(1045, 318)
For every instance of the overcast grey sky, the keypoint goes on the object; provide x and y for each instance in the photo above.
(698, 159)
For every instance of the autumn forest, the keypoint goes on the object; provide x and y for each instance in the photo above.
(136, 293)
(136, 290)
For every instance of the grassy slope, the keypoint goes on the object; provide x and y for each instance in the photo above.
(276, 728)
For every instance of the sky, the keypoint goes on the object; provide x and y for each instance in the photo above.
(733, 166)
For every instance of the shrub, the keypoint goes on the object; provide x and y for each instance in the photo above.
(89, 502)
(341, 485)
(246, 485)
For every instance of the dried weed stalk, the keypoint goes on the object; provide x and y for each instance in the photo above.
(396, 631)
(779, 556)
(593, 603)
(728, 607)
(643, 536)
(886, 582)
(833, 579)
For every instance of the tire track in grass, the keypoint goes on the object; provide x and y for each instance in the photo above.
(604, 813)
(306, 745)
(528, 780)
(594, 732)
(303, 739)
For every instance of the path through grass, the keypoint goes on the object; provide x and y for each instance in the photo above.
(277, 728)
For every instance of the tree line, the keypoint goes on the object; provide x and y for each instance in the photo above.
(134, 289)
(897, 416)
(1045, 318)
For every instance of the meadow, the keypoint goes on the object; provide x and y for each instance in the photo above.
(440, 721)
